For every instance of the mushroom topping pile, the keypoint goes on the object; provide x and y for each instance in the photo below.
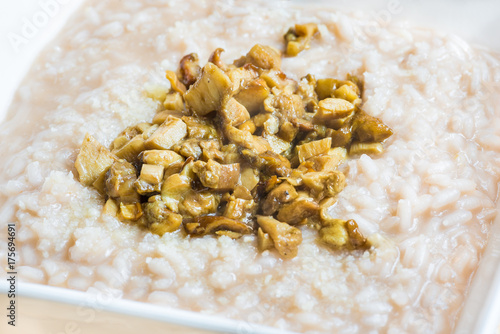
(239, 148)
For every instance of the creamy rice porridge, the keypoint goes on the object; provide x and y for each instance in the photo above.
(431, 196)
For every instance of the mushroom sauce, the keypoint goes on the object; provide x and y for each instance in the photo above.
(229, 154)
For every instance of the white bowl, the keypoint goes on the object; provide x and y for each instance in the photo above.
(30, 24)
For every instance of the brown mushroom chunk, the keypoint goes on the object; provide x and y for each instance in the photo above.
(173, 190)
(298, 38)
(159, 218)
(93, 160)
(130, 211)
(356, 238)
(239, 209)
(268, 162)
(295, 212)
(120, 179)
(165, 158)
(241, 76)
(252, 95)
(173, 102)
(215, 59)
(211, 149)
(214, 175)
(200, 226)
(365, 148)
(189, 148)
(131, 150)
(230, 174)
(245, 139)
(264, 241)
(280, 195)
(330, 161)
(335, 234)
(199, 203)
(324, 184)
(334, 113)
(150, 179)
(288, 131)
(177, 86)
(206, 94)
(338, 233)
(167, 135)
(263, 56)
(233, 112)
(189, 69)
(326, 87)
(286, 238)
(209, 172)
(370, 129)
(313, 148)
(200, 128)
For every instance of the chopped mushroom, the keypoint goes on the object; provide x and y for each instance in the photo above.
(334, 112)
(189, 69)
(215, 59)
(264, 241)
(268, 162)
(280, 195)
(252, 95)
(295, 212)
(314, 148)
(239, 209)
(298, 38)
(120, 179)
(92, 160)
(165, 158)
(370, 129)
(199, 203)
(206, 94)
(217, 176)
(199, 226)
(339, 233)
(366, 148)
(167, 135)
(130, 211)
(173, 101)
(131, 150)
(237, 140)
(265, 57)
(233, 112)
(159, 218)
(150, 179)
(286, 238)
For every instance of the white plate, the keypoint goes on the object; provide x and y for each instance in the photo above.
(26, 26)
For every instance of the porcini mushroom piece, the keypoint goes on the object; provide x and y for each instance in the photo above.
(263, 56)
(313, 148)
(167, 135)
(159, 218)
(280, 195)
(189, 69)
(120, 180)
(206, 94)
(233, 112)
(286, 238)
(296, 211)
(93, 160)
(298, 38)
(200, 226)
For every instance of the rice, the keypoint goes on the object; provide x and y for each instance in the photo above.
(428, 200)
